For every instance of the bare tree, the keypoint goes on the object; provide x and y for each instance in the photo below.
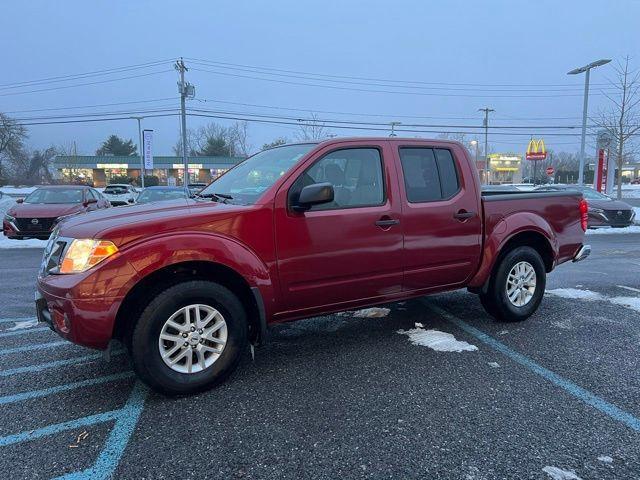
(622, 119)
(275, 143)
(312, 129)
(12, 136)
(214, 139)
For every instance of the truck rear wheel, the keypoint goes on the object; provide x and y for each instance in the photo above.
(189, 338)
(516, 287)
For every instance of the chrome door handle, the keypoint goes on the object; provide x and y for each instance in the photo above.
(387, 223)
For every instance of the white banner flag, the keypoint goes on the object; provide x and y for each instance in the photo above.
(147, 141)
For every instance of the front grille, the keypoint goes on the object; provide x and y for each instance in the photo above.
(618, 216)
(35, 224)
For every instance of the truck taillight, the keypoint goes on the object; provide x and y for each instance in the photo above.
(584, 214)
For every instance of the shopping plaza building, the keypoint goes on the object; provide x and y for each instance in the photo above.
(100, 170)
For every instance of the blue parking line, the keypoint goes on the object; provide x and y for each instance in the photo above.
(19, 397)
(13, 320)
(29, 348)
(56, 363)
(24, 331)
(586, 396)
(59, 427)
(118, 439)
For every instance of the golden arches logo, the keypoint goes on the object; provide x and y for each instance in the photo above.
(536, 149)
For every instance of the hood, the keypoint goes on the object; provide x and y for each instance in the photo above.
(124, 224)
(609, 204)
(42, 210)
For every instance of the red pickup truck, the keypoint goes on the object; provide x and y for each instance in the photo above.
(292, 232)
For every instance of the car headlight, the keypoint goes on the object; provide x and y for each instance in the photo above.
(596, 210)
(83, 254)
(9, 218)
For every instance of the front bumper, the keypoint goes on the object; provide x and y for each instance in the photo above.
(85, 322)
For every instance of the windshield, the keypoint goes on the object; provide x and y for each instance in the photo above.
(159, 195)
(55, 195)
(247, 181)
(591, 194)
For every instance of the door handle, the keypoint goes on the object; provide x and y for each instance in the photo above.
(387, 222)
(464, 215)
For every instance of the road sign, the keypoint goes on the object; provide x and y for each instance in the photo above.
(147, 142)
(536, 150)
(550, 171)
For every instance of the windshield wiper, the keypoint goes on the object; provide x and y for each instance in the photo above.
(223, 197)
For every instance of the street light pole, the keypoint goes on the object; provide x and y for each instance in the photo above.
(486, 111)
(140, 152)
(586, 70)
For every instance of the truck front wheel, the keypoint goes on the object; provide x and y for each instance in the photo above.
(516, 287)
(189, 338)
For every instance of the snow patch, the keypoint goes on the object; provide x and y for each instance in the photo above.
(576, 293)
(558, 474)
(614, 231)
(605, 458)
(374, 312)
(494, 364)
(436, 340)
(17, 191)
(28, 243)
(629, 302)
(26, 324)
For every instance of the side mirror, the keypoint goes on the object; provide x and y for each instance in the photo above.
(89, 201)
(315, 194)
(20, 200)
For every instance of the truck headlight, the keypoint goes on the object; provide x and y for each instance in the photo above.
(83, 254)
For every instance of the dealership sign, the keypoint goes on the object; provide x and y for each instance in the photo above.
(147, 148)
(536, 150)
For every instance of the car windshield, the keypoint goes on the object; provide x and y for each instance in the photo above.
(160, 194)
(246, 182)
(55, 195)
(591, 194)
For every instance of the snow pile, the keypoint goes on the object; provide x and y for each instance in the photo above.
(631, 191)
(436, 340)
(605, 459)
(576, 293)
(17, 191)
(371, 313)
(6, 203)
(25, 324)
(558, 474)
(636, 220)
(29, 243)
(613, 231)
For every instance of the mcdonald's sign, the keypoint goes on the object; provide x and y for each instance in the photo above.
(536, 150)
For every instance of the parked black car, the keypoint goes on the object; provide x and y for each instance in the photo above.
(603, 211)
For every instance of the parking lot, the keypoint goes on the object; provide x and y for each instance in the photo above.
(350, 396)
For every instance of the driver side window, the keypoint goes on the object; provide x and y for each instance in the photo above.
(356, 176)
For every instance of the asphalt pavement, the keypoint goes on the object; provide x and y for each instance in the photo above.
(347, 397)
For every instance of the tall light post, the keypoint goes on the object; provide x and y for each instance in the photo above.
(586, 69)
(485, 123)
(140, 147)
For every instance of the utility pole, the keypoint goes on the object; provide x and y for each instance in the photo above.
(140, 150)
(393, 128)
(486, 111)
(186, 90)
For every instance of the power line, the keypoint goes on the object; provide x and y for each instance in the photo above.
(85, 84)
(350, 77)
(91, 120)
(354, 89)
(64, 78)
(51, 109)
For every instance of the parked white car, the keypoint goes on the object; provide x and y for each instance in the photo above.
(120, 194)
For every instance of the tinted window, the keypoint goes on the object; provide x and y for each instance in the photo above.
(356, 176)
(55, 195)
(429, 174)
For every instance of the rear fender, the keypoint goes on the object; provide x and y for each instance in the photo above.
(501, 233)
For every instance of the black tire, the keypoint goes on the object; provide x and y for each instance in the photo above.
(143, 342)
(497, 303)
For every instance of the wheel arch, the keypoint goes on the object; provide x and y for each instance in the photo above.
(155, 282)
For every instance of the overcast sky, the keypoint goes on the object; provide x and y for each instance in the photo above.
(466, 51)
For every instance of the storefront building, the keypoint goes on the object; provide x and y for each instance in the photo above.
(101, 170)
(504, 168)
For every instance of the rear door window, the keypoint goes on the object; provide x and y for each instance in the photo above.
(429, 174)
